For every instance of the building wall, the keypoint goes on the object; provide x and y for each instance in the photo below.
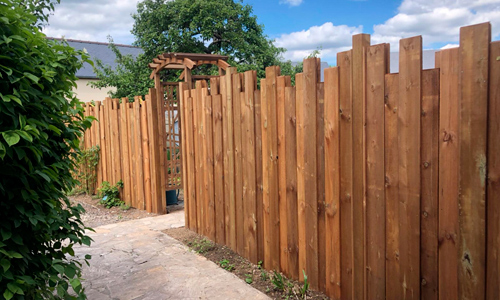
(87, 93)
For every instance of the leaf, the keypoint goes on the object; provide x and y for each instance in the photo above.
(8, 295)
(2, 150)
(44, 176)
(25, 135)
(5, 264)
(70, 271)
(32, 77)
(11, 138)
(15, 255)
(88, 256)
(59, 268)
(75, 283)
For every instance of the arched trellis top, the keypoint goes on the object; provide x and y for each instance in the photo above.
(186, 61)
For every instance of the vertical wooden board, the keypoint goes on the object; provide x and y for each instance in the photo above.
(474, 63)
(265, 178)
(124, 133)
(281, 119)
(203, 167)
(98, 140)
(346, 247)
(155, 149)
(301, 202)
(107, 136)
(133, 153)
(211, 222)
(332, 183)
(102, 132)
(229, 160)
(409, 111)
(145, 152)
(449, 157)
(360, 42)
(191, 161)
(320, 167)
(248, 160)
(238, 164)
(197, 118)
(493, 201)
(182, 123)
(392, 265)
(218, 170)
(375, 172)
(116, 141)
(258, 176)
(139, 171)
(162, 140)
(291, 182)
(306, 164)
(429, 197)
(271, 155)
(87, 140)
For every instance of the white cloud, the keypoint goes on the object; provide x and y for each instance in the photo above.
(291, 2)
(449, 46)
(93, 20)
(330, 38)
(437, 21)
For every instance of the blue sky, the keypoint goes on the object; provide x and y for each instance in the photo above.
(301, 26)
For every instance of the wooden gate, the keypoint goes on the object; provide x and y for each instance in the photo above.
(173, 164)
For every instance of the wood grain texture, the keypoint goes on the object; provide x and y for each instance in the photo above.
(375, 172)
(332, 183)
(474, 62)
(301, 202)
(344, 63)
(307, 170)
(191, 160)
(218, 170)
(392, 266)
(209, 168)
(258, 175)
(145, 152)
(409, 111)
(493, 192)
(360, 42)
(320, 178)
(449, 119)
(138, 166)
(291, 182)
(271, 154)
(429, 181)
(238, 164)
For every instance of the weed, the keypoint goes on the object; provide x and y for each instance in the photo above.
(305, 287)
(278, 281)
(110, 194)
(249, 278)
(124, 206)
(263, 275)
(201, 246)
(225, 264)
(259, 264)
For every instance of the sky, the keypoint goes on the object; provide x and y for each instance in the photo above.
(302, 26)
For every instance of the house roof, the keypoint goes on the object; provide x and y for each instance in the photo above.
(100, 51)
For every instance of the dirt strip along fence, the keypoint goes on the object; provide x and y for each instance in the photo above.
(377, 185)
(130, 137)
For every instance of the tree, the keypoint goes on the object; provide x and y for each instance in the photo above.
(224, 27)
(41, 123)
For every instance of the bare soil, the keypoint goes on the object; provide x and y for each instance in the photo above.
(97, 215)
(252, 274)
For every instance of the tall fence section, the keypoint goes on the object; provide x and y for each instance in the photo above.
(377, 185)
(130, 136)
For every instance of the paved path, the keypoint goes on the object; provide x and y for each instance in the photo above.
(135, 260)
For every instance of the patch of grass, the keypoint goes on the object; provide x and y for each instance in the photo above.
(278, 281)
(201, 246)
(249, 278)
(124, 206)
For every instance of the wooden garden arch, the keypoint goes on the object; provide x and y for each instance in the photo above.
(167, 91)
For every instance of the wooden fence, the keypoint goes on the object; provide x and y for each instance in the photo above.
(375, 184)
(130, 135)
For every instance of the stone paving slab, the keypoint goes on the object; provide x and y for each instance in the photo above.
(135, 260)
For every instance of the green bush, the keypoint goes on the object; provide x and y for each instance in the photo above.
(41, 123)
(86, 174)
(111, 194)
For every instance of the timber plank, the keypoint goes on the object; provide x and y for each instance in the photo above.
(429, 195)
(493, 192)
(332, 183)
(320, 176)
(209, 167)
(146, 167)
(191, 160)
(346, 146)
(360, 42)
(259, 174)
(248, 164)
(125, 134)
(474, 62)
(238, 165)
(449, 119)
(409, 111)
(218, 170)
(229, 187)
(307, 169)
(392, 266)
(375, 171)
(138, 166)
